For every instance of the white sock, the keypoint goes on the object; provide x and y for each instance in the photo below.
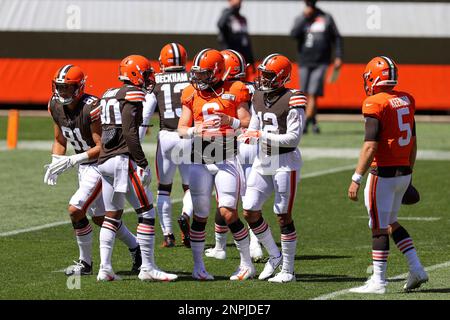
(124, 235)
(288, 248)
(379, 258)
(188, 208)
(253, 239)
(146, 240)
(107, 238)
(198, 246)
(220, 234)
(262, 232)
(242, 241)
(164, 212)
(84, 240)
(406, 247)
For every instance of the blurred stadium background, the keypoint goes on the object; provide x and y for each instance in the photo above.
(39, 36)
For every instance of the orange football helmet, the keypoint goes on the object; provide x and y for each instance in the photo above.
(380, 71)
(273, 73)
(208, 69)
(234, 64)
(137, 70)
(172, 56)
(68, 83)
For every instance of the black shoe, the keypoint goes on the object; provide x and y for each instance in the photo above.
(136, 259)
(79, 268)
(169, 241)
(185, 230)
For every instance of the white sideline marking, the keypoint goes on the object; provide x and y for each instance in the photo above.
(397, 277)
(54, 224)
(409, 218)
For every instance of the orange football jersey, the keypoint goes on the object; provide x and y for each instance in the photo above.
(395, 111)
(204, 103)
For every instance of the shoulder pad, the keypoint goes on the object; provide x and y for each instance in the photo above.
(133, 94)
(297, 100)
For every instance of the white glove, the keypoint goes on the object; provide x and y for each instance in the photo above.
(67, 162)
(144, 175)
(50, 178)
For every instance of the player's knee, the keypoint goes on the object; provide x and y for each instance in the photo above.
(165, 189)
(185, 187)
(284, 219)
(98, 220)
(76, 214)
(251, 203)
(228, 200)
(229, 214)
(252, 216)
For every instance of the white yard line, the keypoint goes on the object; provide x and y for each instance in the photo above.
(54, 224)
(335, 294)
(428, 219)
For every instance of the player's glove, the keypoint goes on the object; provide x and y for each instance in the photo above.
(249, 136)
(144, 175)
(50, 178)
(67, 162)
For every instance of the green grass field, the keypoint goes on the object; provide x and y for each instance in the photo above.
(333, 238)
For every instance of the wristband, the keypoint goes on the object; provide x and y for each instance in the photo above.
(235, 123)
(356, 177)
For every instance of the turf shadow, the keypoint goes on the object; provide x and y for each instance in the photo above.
(327, 278)
(321, 257)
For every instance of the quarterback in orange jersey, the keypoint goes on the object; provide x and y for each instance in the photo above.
(389, 151)
(217, 108)
(235, 67)
(76, 117)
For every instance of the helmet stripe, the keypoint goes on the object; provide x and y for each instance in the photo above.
(392, 75)
(266, 60)
(199, 55)
(241, 59)
(176, 54)
(64, 71)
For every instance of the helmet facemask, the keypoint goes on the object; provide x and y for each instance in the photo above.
(149, 80)
(267, 80)
(202, 79)
(66, 93)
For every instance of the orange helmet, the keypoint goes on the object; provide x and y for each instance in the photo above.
(273, 73)
(380, 71)
(138, 71)
(68, 83)
(234, 64)
(208, 69)
(172, 56)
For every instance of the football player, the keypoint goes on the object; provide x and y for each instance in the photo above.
(389, 151)
(235, 68)
(76, 119)
(167, 96)
(124, 168)
(278, 117)
(217, 108)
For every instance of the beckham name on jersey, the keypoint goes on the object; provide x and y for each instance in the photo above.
(171, 77)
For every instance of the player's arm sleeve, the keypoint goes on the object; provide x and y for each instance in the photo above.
(295, 122)
(148, 109)
(130, 131)
(371, 129)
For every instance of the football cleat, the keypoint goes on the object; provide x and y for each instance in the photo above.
(371, 286)
(283, 277)
(107, 275)
(243, 273)
(136, 259)
(155, 274)
(80, 268)
(183, 222)
(216, 253)
(201, 274)
(271, 265)
(169, 241)
(415, 279)
(255, 250)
